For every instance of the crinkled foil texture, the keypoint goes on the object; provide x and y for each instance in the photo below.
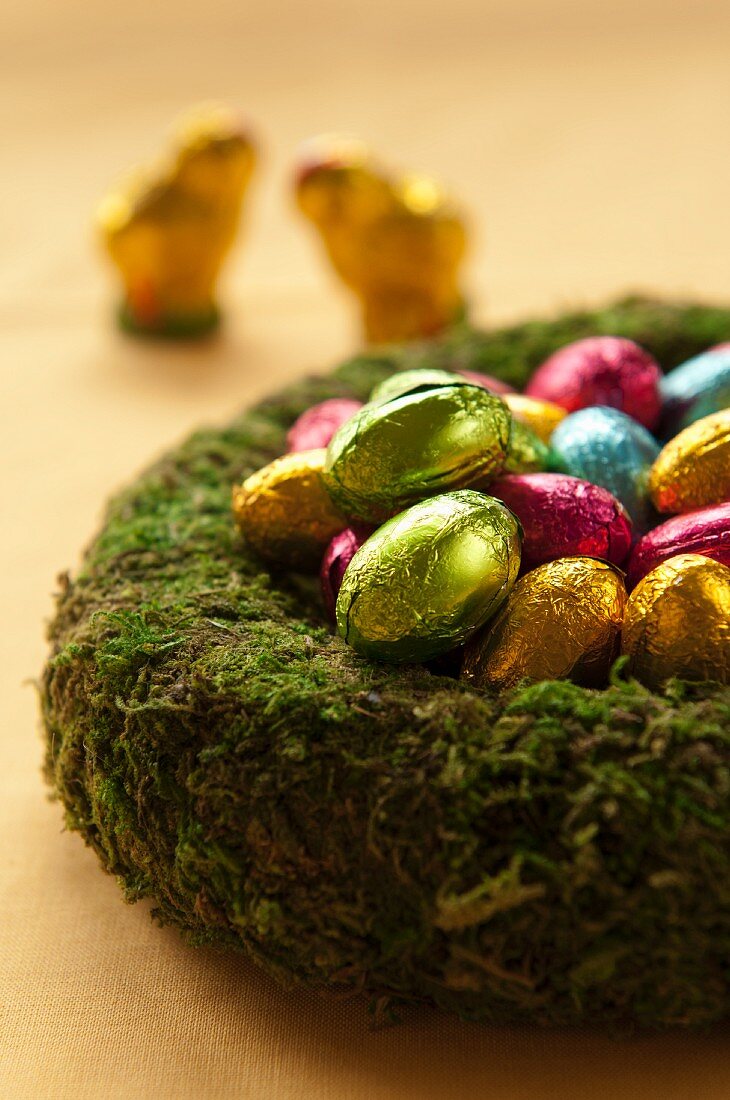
(285, 513)
(693, 470)
(337, 557)
(430, 577)
(678, 622)
(316, 426)
(391, 455)
(706, 532)
(563, 516)
(695, 389)
(601, 370)
(562, 621)
(610, 449)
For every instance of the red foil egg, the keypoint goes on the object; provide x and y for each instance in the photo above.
(705, 532)
(337, 557)
(601, 370)
(315, 427)
(488, 381)
(564, 516)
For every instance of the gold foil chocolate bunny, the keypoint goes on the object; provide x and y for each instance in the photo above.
(169, 226)
(396, 242)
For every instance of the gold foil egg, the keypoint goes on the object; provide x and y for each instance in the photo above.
(169, 226)
(693, 470)
(541, 416)
(285, 513)
(397, 242)
(678, 622)
(561, 621)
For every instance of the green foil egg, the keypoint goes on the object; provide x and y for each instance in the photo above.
(414, 381)
(427, 579)
(390, 455)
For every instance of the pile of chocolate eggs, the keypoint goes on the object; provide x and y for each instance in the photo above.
(525, 534)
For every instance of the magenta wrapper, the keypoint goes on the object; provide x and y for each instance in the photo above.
(317, 425)
(337, 557)
(706, 532)
(496, 385)
(602, 370)
(563, 516)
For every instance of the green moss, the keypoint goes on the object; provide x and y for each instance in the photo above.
(557, 855)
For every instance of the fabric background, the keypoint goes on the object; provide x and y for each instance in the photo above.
(589, 141)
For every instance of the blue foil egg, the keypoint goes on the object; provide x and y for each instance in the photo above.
(695, 389)
(608, 448)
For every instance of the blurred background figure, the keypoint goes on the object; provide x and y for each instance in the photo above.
(397, 242)
(169, 226)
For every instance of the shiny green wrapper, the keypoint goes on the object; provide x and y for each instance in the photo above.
(417, 380)
(391, 455)
(430, 577)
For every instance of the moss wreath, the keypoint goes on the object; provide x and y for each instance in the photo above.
(559, 855)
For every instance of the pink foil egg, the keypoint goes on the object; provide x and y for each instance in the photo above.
(337, 557)
(315, 427)
(601, 370)
(564, 516)
(705, 532)
(487, 381)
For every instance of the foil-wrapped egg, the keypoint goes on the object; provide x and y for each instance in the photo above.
(393, 454)
(428, 578)
(542, 417)
(337, 557)
(695, 389)
(316, 426)
(285, 513)
(693, 469)
(561, 621)
(601, 370)
(564, 516)
(678, 622)
(705, 532)
(608, 448)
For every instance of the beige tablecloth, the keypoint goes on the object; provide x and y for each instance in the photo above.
(589, 139)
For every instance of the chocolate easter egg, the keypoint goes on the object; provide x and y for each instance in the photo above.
(541, 416)
(564, 516)
(705, 532)
(429, 577)
(393, 454)
(315, 427)
(561, 621)
(601, 370)
(337, 557)
(285, 513)
(693, 469)
(608, 448)
(678, 622)
(695, 389)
